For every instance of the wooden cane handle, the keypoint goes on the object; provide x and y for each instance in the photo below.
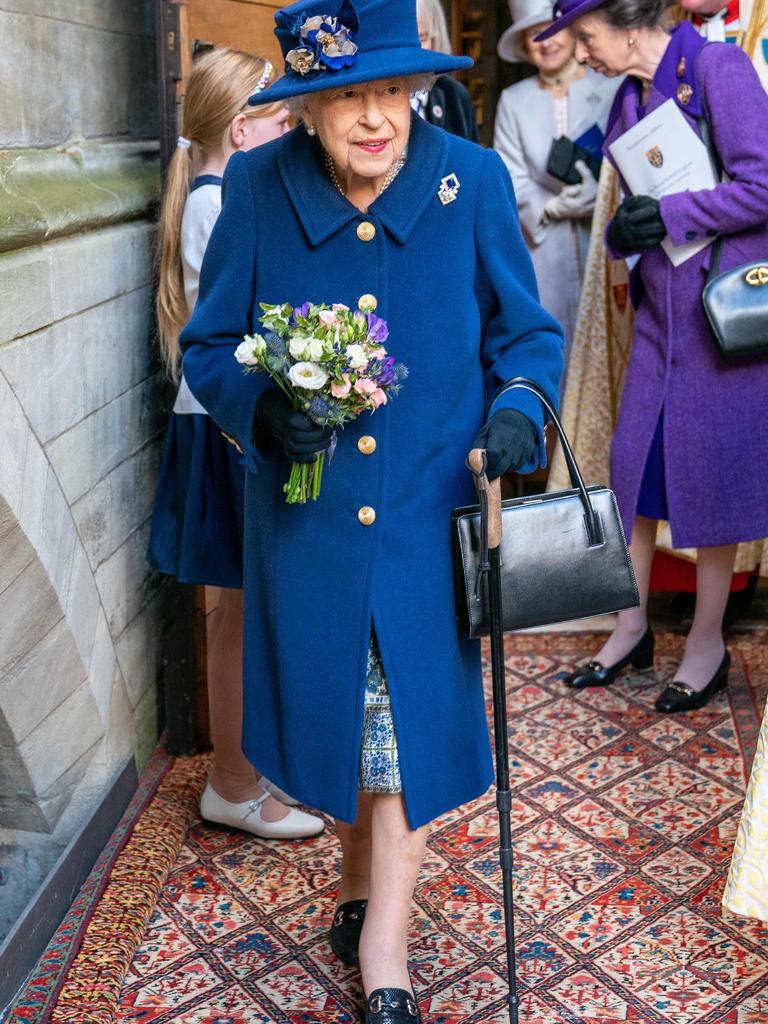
(493, 489)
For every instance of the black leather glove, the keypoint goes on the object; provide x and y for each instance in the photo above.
(637, 226)
(299, 437)
(510, 441)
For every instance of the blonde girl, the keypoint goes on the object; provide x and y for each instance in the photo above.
(197, 525)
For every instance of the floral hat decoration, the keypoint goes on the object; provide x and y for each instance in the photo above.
(328, 44)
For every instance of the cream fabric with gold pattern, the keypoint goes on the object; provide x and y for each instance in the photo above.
(746, 891)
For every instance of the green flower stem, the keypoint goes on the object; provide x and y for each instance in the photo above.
(304, 481)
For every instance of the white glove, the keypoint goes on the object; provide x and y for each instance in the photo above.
(574, 200)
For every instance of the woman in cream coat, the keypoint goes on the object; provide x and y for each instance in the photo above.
(563, 98)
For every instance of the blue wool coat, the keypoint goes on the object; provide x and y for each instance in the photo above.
(456, 285)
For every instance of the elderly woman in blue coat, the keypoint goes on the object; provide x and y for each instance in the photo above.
(361, 696)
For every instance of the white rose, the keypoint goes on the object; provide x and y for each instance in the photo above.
(245, 353)
(308, 375)
(316, 349)
(297, 347)
(356, 357)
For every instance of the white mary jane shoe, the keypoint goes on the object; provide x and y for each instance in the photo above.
(247, 817)
(277, 793)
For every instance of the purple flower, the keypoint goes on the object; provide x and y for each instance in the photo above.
(386, 375)
(301, 311)
(378, 331)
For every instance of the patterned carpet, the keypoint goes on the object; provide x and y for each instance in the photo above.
(623, 826)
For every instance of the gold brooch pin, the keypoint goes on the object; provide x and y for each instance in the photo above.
(449, 189)
(684, 93)
(681, 67)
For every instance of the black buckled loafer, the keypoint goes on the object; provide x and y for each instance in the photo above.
(596, 674)
(345, 931)
(679, 696)
(392, 1006)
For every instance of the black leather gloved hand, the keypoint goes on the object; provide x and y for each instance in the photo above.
(510, 441)
(637, 226)
(299, 437)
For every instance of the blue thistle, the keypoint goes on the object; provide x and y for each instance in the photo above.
(399, 373)
(318, 410)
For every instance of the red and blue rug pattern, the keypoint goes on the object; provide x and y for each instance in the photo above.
(623, 820)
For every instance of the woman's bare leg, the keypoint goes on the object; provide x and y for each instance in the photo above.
(397, 853)
(705, 647)
(356, 852)
(631, 623)
(233, 776)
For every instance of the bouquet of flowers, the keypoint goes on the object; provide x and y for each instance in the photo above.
(331, 363)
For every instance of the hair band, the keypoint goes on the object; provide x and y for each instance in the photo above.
(182, 143)
(266, 77)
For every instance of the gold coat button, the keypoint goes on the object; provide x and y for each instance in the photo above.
(367, 515)
(366, 231)
(367, 445)
(368, 303)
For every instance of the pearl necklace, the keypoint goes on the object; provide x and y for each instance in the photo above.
(389, 177)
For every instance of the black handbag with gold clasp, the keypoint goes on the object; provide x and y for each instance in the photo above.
(735, 301)
(563, 554)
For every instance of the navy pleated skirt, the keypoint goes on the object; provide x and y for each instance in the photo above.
(197, 523)
(652, 502)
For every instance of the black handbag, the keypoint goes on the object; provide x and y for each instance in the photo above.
(735, 301)
(563, 554)
(561, 162)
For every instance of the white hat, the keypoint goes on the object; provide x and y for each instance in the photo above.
(525, 14)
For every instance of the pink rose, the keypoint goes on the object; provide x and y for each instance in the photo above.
(327, 318)
(341, 390)
(365, 386)
(377, 398)
(338, 306)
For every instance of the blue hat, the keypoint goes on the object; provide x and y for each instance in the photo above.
(565, 12)
(336, 43)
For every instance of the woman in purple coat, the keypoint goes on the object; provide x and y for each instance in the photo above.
(691, 443)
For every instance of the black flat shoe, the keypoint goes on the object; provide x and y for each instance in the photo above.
(345, 931)
(596, 674)
(392, 1006)
(681, 697)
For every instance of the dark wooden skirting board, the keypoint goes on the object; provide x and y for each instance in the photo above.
(30, 935)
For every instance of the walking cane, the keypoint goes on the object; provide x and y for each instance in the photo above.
(490, 528)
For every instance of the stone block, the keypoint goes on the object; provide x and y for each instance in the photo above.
(41, 681)
(109, 342)
(130, 17)
(120, 737)
(91, 449)
(103, 669)
(82, 603)
(55, 799)
(126, 582)
(146, 717)
(140, 646)
(15, 554)
(29, 609)
(109, 88)
(45, 283)
(112, 510)
(61, 739)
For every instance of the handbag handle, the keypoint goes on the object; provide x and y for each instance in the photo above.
(594, 526)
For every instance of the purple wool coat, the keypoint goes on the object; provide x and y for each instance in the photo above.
(715, 413)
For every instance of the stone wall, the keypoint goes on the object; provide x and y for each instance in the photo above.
(82, 413)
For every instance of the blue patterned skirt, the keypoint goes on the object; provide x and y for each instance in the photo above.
(379, 759)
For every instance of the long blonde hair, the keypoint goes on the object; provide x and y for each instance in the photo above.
(216, 92)
(433, 15)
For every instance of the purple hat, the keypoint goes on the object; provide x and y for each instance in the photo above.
(564, 13)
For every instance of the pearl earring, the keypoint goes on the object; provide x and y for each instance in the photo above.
(631, 42)
(311, 130)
